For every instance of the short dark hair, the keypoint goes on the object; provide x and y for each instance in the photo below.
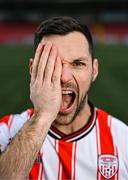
(62, 25)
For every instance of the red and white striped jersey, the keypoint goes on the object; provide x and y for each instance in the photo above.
(98, 151)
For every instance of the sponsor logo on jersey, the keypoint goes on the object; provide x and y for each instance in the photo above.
(108, 165)
(39, 158)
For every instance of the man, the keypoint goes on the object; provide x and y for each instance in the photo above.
(63, 136)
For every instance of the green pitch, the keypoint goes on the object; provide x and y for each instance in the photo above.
(109, 92)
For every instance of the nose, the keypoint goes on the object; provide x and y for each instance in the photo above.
(66, 75)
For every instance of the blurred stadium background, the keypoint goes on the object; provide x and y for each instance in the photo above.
(108, 21)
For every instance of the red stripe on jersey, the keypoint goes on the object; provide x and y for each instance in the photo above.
(65, 155)
(30, 112)
(5, 119)
(37, 169)
(104, 139)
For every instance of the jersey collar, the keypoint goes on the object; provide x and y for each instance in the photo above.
(55, 133)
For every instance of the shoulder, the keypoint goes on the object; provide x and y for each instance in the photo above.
(10, 125)
(12, 119)
(116, 124)
(120, 134)
(117, 127)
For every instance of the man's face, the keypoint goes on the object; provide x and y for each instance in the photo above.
(78, 72)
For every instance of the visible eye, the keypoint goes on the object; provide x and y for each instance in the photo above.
(78, 63)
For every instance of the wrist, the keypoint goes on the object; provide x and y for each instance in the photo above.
(42, 117)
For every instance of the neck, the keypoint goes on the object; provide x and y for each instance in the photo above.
(79, 122)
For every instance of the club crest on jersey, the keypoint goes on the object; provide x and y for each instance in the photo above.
(108, 165)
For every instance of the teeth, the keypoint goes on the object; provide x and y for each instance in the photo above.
(67, 92)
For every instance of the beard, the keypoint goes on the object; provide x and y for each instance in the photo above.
(66, 119)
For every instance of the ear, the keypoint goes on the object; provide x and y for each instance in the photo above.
(95, 67)
(30, 65)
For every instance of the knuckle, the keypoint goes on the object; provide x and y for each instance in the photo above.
(55, 78)
(37, 84)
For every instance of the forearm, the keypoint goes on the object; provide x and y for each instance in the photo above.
(17, 160)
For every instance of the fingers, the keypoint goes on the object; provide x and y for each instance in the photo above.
(56, 78)
(46, 65)
(44, 58)
(50, 65)
(36, 62)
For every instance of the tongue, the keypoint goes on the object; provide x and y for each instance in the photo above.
(66, 102)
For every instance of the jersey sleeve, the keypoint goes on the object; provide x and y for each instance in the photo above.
(4, 133)
(9, 127)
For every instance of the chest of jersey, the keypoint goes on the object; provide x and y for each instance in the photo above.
(82, 159)
(96, 152)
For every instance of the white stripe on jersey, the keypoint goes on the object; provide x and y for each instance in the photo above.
(74, 160)
(98, 138)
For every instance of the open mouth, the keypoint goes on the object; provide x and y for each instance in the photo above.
(68, 98)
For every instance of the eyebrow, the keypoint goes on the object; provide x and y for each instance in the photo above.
(81, 59)
(77, 59)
